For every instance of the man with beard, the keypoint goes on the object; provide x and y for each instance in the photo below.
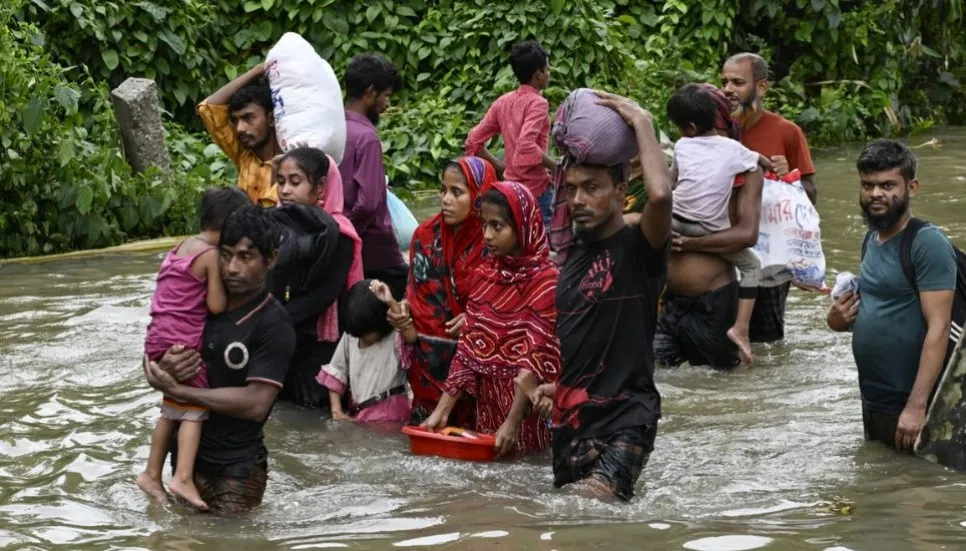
(745, 81)
(899, 336)
(240, 120)
(369, 81)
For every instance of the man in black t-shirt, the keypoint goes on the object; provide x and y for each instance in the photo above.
(247, 351)
(606, 406)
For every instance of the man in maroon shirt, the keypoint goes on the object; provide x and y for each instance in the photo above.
(369, 81)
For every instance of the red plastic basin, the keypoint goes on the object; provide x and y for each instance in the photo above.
(432, 442)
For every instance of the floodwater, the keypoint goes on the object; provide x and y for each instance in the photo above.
(766, 458)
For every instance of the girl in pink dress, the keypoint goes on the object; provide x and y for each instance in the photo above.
(188, 288)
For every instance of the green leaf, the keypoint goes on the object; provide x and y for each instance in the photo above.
(84, 198)
(77, 9)
(421, 77)
(65, 152)
(372, 12)
(110, 59)
(627, 19)
(32, 115)
(67, 97)
(267, 4)
(141, 36)
(174, 41)
(818, 5)
(406, 11)
(556, 6)
(251, 6)
(834, 19)
(929, 51)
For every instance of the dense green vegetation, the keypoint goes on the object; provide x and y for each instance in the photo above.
(845, 70)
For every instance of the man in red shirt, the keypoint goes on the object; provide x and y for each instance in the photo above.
(522, 117)
(745, 81)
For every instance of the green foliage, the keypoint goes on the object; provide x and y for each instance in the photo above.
(66, 183)
(844, 70)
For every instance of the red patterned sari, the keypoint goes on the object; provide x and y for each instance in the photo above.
(441, 262)
(511, 324)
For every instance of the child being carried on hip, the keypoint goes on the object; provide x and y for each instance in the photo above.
(709, 162)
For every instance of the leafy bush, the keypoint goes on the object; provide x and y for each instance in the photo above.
(66, 183)
(844, 70)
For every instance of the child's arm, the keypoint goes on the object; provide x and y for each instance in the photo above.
(405, 325)
(217, 297)
(335, 404)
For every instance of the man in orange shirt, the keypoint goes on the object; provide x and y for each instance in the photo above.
(240, 119)
(745, 81)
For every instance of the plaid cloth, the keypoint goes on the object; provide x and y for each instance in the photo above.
(615, 460)
(768, 318)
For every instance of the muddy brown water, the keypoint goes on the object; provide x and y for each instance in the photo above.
(763, 458)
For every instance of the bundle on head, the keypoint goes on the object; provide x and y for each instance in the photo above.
(585, 133)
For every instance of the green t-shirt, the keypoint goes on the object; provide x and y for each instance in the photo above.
(889, 331)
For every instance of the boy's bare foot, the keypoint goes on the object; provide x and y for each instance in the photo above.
(186, 490)
(152, 486)
(744, 345)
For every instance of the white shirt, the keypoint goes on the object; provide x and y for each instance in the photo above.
(707, 166)
(367, 371)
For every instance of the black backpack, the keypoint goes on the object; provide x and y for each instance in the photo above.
(958, 318)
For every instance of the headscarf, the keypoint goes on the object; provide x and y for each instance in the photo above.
(332, 202)
(723, 118)
(511, 312)
(585, 133)
(441, 262)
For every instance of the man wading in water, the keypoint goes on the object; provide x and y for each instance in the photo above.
(606, 406)
(899, 333)
(241, 122)
(745, 81)
(247, 351)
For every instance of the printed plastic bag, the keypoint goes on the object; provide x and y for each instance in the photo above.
(307, 97)
(845, 282)
(403, 222)
(789, 238)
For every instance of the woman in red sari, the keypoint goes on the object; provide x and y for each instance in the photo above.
(445, 250)
(509, 334)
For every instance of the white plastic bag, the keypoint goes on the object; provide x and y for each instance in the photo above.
(403, 222)
(789, 238)
(307, 97)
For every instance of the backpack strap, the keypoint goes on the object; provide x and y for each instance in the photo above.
(905, 250)
(865, 244)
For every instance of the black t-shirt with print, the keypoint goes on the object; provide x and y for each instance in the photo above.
(607, 302)
(251, 343)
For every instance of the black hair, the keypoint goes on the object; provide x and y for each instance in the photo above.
(364, 312)
(882, 155)
(217, 203)
(496, 198)
(692, 104)
(367, 70)
(759, 67)
(526, 58)
(255, 223)
(451, 165)
(260, 94)
(313, 162)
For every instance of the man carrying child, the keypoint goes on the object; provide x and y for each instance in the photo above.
(246, 351)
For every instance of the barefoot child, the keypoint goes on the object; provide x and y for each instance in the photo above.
(706, 164)
(188, 287)
(367, 359)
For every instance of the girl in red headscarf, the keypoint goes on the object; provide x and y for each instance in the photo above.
(508, 344)
(445, 250)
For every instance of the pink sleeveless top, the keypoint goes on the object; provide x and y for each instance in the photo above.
(179, 308)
